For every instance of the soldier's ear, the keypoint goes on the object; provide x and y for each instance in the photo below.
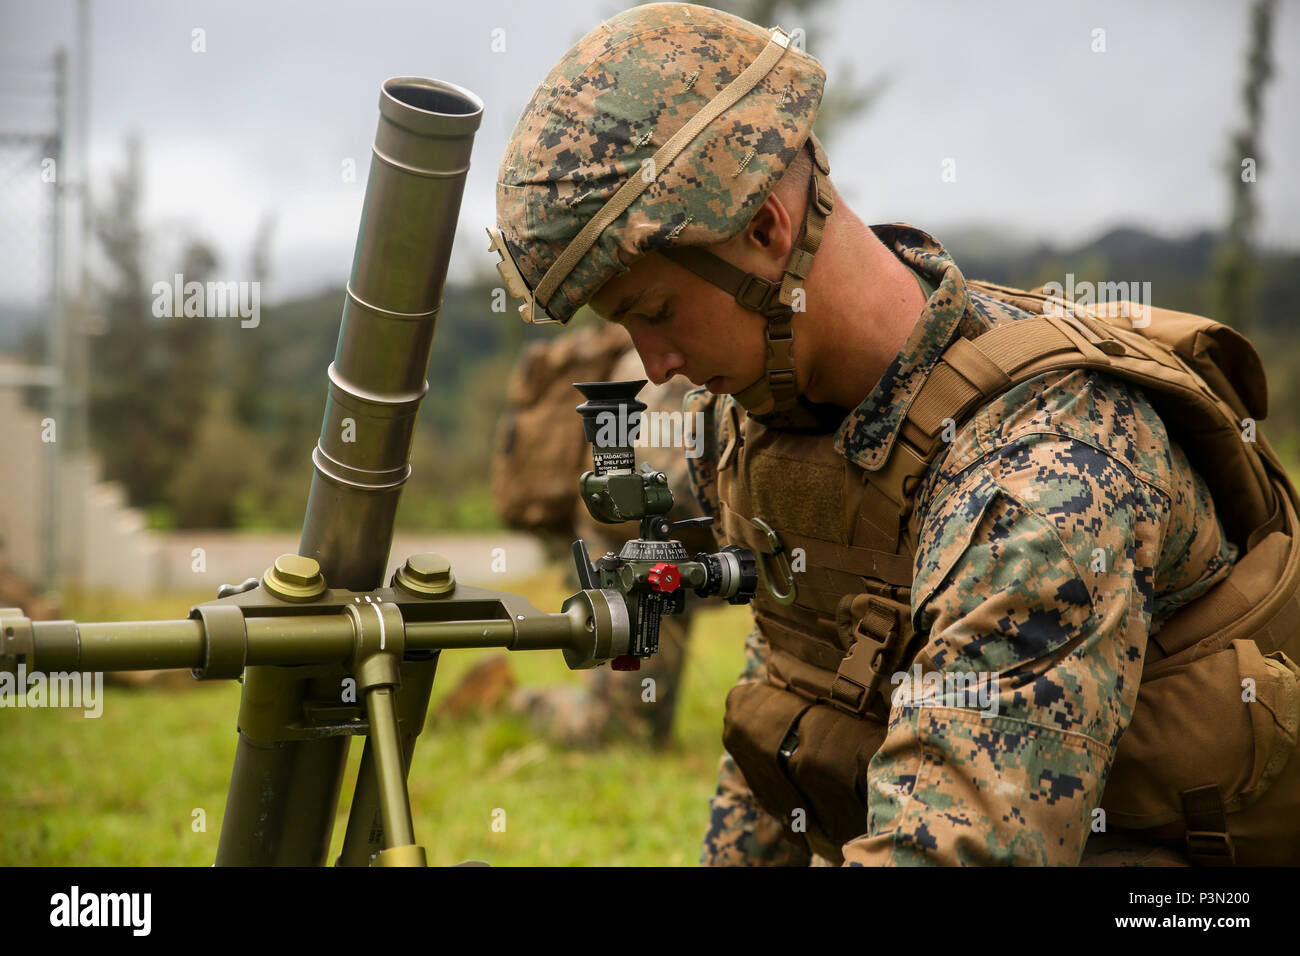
(770, 232)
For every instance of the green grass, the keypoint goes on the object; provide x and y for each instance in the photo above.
(122, 789)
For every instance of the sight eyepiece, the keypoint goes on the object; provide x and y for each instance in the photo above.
(611, 422)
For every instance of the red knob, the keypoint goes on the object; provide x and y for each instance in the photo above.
(625, 662)
(665, 577)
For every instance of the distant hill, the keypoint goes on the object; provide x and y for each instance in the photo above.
(1180, 270)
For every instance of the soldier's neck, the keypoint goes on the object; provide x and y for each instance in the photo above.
(862, 305)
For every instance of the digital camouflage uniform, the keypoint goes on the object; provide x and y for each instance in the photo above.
(1037, 485)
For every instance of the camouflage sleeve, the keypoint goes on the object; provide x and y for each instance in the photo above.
(1034, 588)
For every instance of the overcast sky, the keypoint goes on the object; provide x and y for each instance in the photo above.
(1051, 139)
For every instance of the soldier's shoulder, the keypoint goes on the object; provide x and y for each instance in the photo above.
(1070, 420)
(1038, 480)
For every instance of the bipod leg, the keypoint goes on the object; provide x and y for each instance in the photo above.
(364, 837)
(390, 774)
(378, 675)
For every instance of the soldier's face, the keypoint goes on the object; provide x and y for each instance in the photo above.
(682, 325)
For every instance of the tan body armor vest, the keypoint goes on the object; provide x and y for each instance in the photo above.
(1204, 764)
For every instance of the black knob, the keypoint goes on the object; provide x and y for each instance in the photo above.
(748, 585)
(731, 573)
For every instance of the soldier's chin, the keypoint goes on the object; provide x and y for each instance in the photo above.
(715, 384)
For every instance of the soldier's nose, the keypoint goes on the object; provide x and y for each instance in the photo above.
(659, 368)
(664, 372)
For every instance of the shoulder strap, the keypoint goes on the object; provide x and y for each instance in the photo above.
(974, 371)
(965, 377)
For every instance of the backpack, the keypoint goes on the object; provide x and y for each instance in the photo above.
(1208, 759)
(540, 449)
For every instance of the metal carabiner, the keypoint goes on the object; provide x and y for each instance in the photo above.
(787, 596)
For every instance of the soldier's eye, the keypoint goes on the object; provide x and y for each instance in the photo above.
(659, 318)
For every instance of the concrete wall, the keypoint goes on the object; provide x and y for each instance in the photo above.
(101, 536)
(116, 552)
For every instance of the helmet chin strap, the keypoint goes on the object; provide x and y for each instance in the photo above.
(776, 391)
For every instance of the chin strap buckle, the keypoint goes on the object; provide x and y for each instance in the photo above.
(756, 293)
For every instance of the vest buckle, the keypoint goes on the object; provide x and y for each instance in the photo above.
(1210, 849)
(1208, 840)
(872, 658)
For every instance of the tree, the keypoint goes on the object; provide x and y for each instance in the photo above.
(149, 376)
(1235, 272)
(120, 410)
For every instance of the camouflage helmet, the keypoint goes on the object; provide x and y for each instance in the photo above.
(668, 124)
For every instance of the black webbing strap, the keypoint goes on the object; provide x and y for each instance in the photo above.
(1208, 841)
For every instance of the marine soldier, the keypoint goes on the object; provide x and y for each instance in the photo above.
(979, 539)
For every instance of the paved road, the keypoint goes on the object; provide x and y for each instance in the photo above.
(482, 559)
